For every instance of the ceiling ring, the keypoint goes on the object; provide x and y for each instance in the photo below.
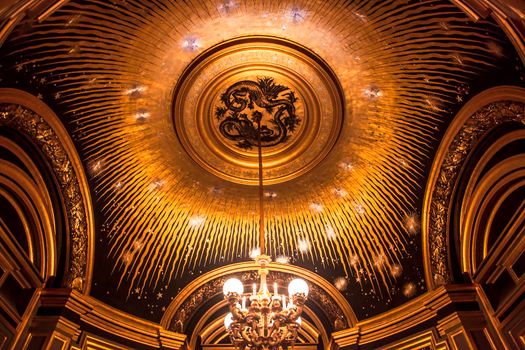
(281, 73)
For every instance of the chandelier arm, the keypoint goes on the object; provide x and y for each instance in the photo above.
(237, 314)
(294, 315)
(245, 336)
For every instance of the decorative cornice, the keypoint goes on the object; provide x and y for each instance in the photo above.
(87, 312)
(381, 329)
(44, 137)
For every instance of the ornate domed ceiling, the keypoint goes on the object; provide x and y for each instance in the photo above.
(354, 97)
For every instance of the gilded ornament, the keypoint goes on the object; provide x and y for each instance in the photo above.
(245, 105)
(40, 132)
(214, 288)
(476, 127)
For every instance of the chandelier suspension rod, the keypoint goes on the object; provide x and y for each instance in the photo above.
(269, 322)
(261, 192)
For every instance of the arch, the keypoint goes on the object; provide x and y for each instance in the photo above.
(487, 198)
(484, 112)
(32, 208)
(35, 121)
(490, 229)
(205, 293)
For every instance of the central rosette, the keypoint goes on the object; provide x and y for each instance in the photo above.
(249, 108)
(229, 89)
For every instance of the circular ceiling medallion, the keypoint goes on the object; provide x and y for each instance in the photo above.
(227, 90)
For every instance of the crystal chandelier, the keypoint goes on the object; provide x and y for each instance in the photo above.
(263, 320)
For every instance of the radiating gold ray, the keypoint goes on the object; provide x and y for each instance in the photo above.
(148, 188)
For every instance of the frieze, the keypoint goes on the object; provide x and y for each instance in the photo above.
(470, 133)
(43, 136)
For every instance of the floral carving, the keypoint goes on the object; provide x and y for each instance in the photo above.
(470, 133)
(43, 136)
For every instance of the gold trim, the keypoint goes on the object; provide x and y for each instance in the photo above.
(69, 173)
(70, 313)
(487, 155)
(424, 309)
(51, 9)
(489, 187)
(468, 127)
(428, 339)
(33, 170)
(473, 9)
(26, 192)
(199, 329)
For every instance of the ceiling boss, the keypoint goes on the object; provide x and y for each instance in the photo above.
(261, 114)
(247, 104)
(293, 91)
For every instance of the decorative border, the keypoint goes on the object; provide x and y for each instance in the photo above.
(42, 134)
(473, 129)
(214, 287)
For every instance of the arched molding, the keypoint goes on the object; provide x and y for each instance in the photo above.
(495, 187)
(325, 296)
(484, 194)
(479, 116)
(509, 14)
(33, 209)
(31, 117)
(31, 167)
(491, 234)
(477, 172)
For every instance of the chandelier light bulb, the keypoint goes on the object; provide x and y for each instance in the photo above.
(298, 286)
(299, 320)
(233, 285)
(228, 320)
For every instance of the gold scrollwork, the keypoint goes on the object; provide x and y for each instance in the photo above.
(475, 127)
(43, 136)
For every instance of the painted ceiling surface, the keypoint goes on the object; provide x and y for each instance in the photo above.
(140, 86)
